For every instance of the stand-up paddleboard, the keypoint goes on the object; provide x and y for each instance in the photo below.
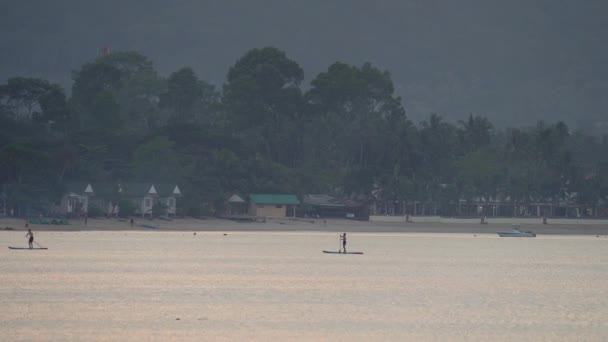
(11, 247)
(335, 252)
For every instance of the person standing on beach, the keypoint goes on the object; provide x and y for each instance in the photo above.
(31, 235)
(343, 239)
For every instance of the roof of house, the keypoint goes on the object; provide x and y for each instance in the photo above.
(129, 189)
(104, 189)
(328, 201)
(78, 188)
(274, 199)
(153, 189)
(322, 200)
(137, 189)
(235, 198)
(167, 189)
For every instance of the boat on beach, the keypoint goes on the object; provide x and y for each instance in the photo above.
(516, 232)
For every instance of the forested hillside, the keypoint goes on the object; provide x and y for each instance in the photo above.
(346, 134)
(515, 62)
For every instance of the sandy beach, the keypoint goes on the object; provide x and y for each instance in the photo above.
(459, 226)
(212, 279)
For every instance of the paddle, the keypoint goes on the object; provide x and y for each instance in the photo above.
(38, 244)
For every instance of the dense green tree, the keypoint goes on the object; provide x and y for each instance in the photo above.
(479, 174)
(263, 100)
(119, 90)
(189, 99)
(351, 109)
(21, 95)
(348, 135)
(439, 147)
(475, 133)
(157, 160)
(27, 175)
(54, 106)
(33, 99)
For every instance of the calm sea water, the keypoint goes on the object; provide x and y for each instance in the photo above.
(173, 286)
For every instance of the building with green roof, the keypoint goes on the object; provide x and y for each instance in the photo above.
(276, 206)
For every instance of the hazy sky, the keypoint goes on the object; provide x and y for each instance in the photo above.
(514, 61)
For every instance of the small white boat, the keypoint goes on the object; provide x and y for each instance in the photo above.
(515, 232)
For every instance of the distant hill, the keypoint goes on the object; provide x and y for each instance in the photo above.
(513, 61)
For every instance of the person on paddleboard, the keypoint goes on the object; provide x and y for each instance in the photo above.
(343, 239)
(31, 235)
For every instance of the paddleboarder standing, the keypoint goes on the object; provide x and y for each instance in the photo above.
(31, 235)
(343, 239)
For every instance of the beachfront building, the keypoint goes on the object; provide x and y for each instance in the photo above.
(104, 199)
(325, 206)
(142, 195)
(75, 201)
(275, 206)
(236, 205)
(568, 206)
(148, 197)
(167, 196)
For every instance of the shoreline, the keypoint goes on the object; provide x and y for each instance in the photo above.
(303, 225)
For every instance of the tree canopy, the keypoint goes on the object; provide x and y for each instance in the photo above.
(345, 134)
